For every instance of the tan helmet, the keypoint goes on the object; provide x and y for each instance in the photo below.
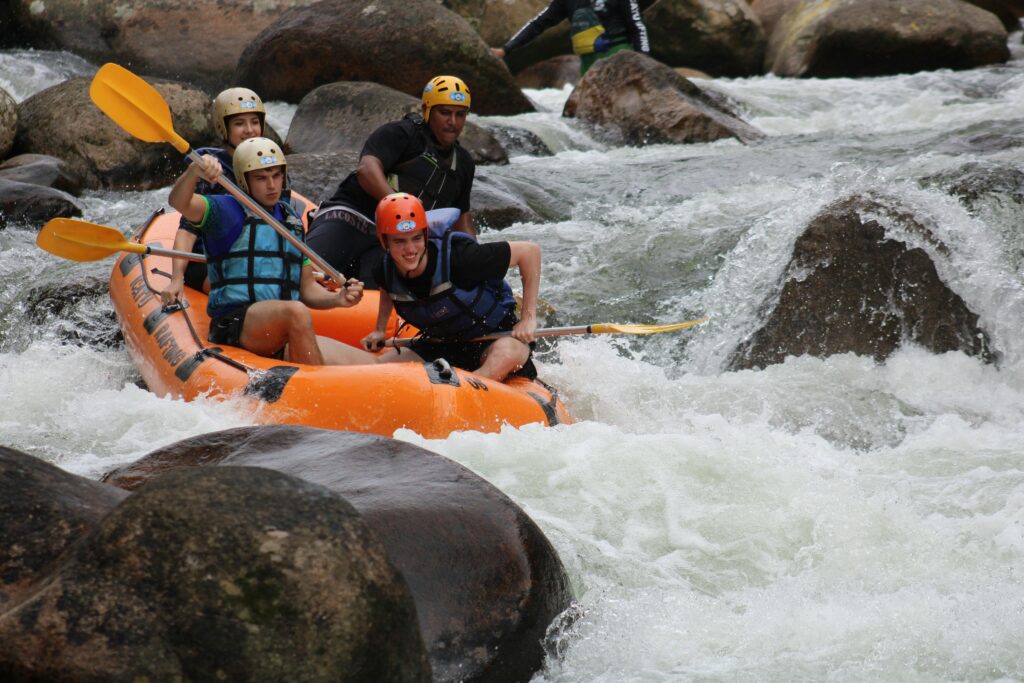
(450, 90)
(236, 101)
(255, 154)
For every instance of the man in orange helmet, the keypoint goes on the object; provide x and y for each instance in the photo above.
(421, 156)
(453, 289)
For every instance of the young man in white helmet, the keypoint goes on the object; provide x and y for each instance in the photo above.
(421, 156)
(260, 283)
(238, 114)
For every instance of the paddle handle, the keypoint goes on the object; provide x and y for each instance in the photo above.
(543, 332)
(253, 206)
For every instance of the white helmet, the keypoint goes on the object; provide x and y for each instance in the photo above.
(236, 101)
(255, 154)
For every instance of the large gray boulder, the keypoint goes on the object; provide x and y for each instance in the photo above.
(398, 43)
(33, 205)
(719, 37)
(196, 42)
(485, 580)
(8, 122)
(96, 149)
(645, 102)
(1008, 11)
(41, 169)
(338, 117)
(44, 511)
(827, 38)
(556, 72)
(768, 12)
(235, 573)
(316, 175)
(854, 286)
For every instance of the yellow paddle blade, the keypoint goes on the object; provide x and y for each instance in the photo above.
(614, 328)
(134, 105)
(83, 241)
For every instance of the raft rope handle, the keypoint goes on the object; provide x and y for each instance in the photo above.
(208, 351)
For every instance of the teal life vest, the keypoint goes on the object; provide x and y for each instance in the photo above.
(449, 312)
(257, 265)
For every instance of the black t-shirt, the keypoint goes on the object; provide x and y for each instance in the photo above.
(395, 143)
(471, 264)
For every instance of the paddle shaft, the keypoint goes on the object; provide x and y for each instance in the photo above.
(253, 206)
(543, 332)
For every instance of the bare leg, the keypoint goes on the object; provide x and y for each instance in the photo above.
(338, 353)
(504, 356)
(392, 356)
(269, 325)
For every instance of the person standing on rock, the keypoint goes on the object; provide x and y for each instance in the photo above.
(598, 28)
(260, 284)
(418, 155)
(238, 114)
(453, 289)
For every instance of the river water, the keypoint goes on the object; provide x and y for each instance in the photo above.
(823, 519)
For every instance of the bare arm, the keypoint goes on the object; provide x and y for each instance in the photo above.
(183, 241)
(371, 177)
(183, 197)
(375, 339)
(526, 255)
(315, 295)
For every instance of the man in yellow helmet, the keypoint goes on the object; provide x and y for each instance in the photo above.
(417, 155)
(598, 28)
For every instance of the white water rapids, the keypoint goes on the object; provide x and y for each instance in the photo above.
(823, 519)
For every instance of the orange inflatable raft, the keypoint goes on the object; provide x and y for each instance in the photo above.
(169, 347)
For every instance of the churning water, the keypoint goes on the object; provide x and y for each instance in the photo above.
(823, 519)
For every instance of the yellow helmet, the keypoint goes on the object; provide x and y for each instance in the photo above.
(236, 101)
(255, 154)
(450, 90)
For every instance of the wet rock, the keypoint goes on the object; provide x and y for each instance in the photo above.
(78, 312)
(720, 37)
(516, 141)
(316, 176)
(828, 38)
(196, 42)
(856, 286)
(496, 20)
(976, 183)
(338, 117)
(44, 510)
(495, 206)
(1008, 11)
(97, 150)
(34, 204)
(397, 43)
(768, 12)
(646, 102)
(485, 580)
(234, 573)
(41, 169)
(8, 122)
(556, 72)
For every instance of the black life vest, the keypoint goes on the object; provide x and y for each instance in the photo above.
(449, 312)
(431, 176)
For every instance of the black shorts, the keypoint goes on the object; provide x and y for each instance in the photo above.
(348, 242)
(227, 329)
(467, 355)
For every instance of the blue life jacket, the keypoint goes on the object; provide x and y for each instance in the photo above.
(256, 263)
(449, 312)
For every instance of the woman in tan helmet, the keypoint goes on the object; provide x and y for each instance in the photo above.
(238, 115)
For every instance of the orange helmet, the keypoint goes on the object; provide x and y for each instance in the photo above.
(399, 214)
